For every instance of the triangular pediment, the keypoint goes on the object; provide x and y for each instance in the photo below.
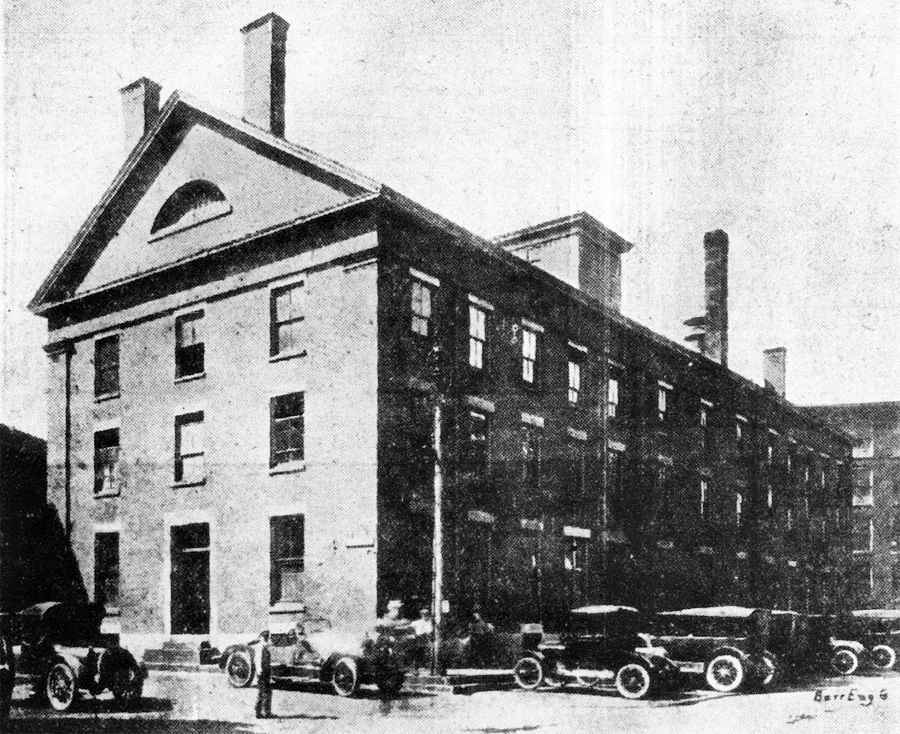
(198, 182)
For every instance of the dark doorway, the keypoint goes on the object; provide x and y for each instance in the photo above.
(190, 579)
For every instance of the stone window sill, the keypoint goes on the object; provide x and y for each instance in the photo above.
(106, 396)
(191, 483)
(287, 607)
(281, 357)
(113, 612)
(106, 495)
(190, 378)
(292, 467)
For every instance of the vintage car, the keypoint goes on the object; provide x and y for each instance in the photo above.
(314, 652)
(63, 651)
(598, 643)
(879, 631)
(725, 644)
(804, 643)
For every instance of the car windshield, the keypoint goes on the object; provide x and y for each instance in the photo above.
(622, 624)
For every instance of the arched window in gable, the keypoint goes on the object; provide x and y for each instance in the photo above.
(193, 203)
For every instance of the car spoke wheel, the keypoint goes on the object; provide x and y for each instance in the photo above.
(345, 677)
(768, 671)
(725, 673)
(60, 686)
(883, 657)
(239, 668)
(844, 662)
(633, 681)
(529, 673)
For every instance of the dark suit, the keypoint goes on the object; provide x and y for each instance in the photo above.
(264, 683)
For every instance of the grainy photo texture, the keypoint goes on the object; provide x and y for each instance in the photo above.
(471, 366)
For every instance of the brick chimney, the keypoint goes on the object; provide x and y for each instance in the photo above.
(265, 44)
(715, 339)
(775, 369)
(140, 107)
(578, 250)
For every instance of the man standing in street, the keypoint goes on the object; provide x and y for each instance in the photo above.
(263, 659)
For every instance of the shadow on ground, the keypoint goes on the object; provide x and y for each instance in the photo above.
(62, 724)
(87, 705)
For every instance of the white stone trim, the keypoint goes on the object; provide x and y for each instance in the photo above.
(616, 445)
(187, 310)
(480, 302)
(473, 401)
(666, 385)
(108, 424)
(578, 347)
(424, 277)
(707, 403)
(528, 524)
(577, 434)
(575, 532)
(481, 516)
(528, 324)
(296, 278)
(533, 420)
(741, 418)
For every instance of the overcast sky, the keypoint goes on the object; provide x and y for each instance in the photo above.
(775, 120)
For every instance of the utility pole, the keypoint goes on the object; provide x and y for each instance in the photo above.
(437, 663)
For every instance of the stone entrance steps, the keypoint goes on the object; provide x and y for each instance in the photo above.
(173, 656)
(460, 681)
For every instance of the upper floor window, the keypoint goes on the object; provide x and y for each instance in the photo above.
(738, 509)
(477, 336)
(863, 486)
(189, 448)
(531, 457)
(189, 348)
(286, 439)
(577, 461)
(420, 305)
(287, 548)
(475, 449)
(663, 401)
(576, 359)
(106, 569)
(740, 431)
(106, 366)
(863, 535)
(529, 354)
(615, 494)
(106, 462)
(704, 498)
(864, 446)
(612, 396)
(287, 308)
(705, 420)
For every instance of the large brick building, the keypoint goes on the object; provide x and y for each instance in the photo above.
(248, 348)
(875, 428)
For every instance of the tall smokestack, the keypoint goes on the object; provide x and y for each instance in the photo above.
(265, 47)
(140, 107)
(715, 340)
(775, 369)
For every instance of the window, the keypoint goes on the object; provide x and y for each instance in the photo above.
(529, 355)
(615, 495)
(189, 345)
(194, 202)
(286, 439)
(189, 464)
(663, 400)
(864, 446)
(286, 317)
(421, 308)
(863, 486)
(106, 569)
(574, 378)
(789, 518)
(770, 497)
(705, 424)
(477, 332)
(286, 560)
(704, 498)
(612, 396)
(576, 555)
(576, 469)
(475, 459)
(106, 366)
(106, 462)
(531, 459)
(863, 535)
(738, 509)
(740, 432)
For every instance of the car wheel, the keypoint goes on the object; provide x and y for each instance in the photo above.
(844, 662)
(391, 683)
(768, 671)
(529, 673)
(883, 657)
(633, 681)
(345, 677)
(725, 673)
(239, 668)
(61, 687)
(126, 689)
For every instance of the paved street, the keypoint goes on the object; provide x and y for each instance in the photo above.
(202, 702)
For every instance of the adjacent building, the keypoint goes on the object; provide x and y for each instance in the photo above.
(264, 364)
(875, 428)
